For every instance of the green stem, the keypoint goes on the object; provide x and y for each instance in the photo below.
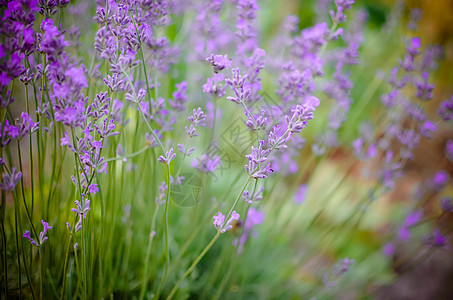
(19, 277)
(193, 265)
(42, 272)
(23, 192)
(64, 267)
(101, 252)
(148, 253)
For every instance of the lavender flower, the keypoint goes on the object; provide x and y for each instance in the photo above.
(412, 219)
(10, 181)
(427, 129)
(301, 194)
(237, 85)
(446, 109)
(82, 207)
(32, 241)
(438, 181)
(258, 156)
(254, 218)
(338, 17)
(424, 89)
(219, 221)
(163, 188)
(219, 62)
(197, 119)
(169, 156)
(447, 204)
(389, 249)
(42, 235)
(257, 196)
(437, 240)
(449, 150)
(207, 163)
(179, 97)
(338, 270)
(301, 114)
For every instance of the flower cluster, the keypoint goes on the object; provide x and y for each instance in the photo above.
(219, 221)
(42, 235)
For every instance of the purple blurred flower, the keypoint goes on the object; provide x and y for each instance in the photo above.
(301, 194)
(425, 89)
(389, 249)
(412, 219)
(449, 150)
(437, 240)
(219, 62)
(9, 182)
(254, 218)
(447, 204)
(207, 163)
(439, 180)
(257, 196)
(179, 97)
(428, 128)
(446, 109)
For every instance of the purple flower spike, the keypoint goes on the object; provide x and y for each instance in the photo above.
(234, 217)
(237, 85)
(197, 119)
(257, 196)
(446, 109)
(447, 204)
(439, 180)
(219, 62)
(301, 114)
(218, 221)
(389, 249)
(42, 235)
(10, 181)
(82, 207)
(301, 194)
(207, 163)
(437, 240)
(425, 89)
(449, 150)
(258, 156)
(32, 241)
(169, 156)
(428, 128)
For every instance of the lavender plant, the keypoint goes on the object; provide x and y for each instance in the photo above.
(214, 148)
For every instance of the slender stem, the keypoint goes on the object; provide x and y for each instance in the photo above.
(152, 233)
(193, 265)
(16, 206)
(237, 198)
(167, 253)
(101, 251)
(64, 267)
(42, 272)
(84, 254)
(23, 192)
(5, 267)
(127, 156)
